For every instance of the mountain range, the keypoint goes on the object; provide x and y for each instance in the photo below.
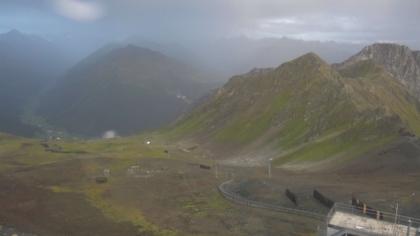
(307, 112)
(302, 112)
(226, 57)
(232, 56)
(115, 87)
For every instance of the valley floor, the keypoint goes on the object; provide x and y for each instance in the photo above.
(49, 188)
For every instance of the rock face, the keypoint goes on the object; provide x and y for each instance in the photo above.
(417, 56)
(400, 61)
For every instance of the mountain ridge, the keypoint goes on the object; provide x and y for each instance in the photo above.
(397, 59)
(303, 111)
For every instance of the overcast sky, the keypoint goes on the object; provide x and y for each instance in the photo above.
(338, 20)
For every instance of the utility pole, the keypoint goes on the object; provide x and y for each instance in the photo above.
(167, 153)
(396, 212)
(216, 170)
(269, 167)
(409, 227)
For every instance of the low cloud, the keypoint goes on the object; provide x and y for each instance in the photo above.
(190, 21)
(79, 10)
(110, 134)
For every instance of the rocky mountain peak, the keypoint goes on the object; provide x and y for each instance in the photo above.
(307, 62)
(385, 51)
(310, 59)
(11, 36)
(402, 63)
(13, 32)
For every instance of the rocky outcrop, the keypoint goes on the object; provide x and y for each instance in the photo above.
(417, 56)
(400, 61)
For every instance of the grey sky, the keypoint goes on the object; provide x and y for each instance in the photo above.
(338, 20)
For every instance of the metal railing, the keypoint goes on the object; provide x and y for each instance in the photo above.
(398, 220)
(251, 203)
(385, 216)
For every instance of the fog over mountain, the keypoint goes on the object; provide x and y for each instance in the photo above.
(125, 89)
(82, 27)
(227, 57)
(28, 64)
(219, 39)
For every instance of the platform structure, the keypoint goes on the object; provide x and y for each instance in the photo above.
(348, 220)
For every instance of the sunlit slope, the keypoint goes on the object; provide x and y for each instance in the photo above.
(302, 111)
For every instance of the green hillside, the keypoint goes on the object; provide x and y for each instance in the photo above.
(303, 111)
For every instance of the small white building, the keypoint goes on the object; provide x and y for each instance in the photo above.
(348, 220)
(133, 170)
(107, 172)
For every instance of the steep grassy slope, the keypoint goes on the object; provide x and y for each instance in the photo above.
(302, 111)
(127, 90)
